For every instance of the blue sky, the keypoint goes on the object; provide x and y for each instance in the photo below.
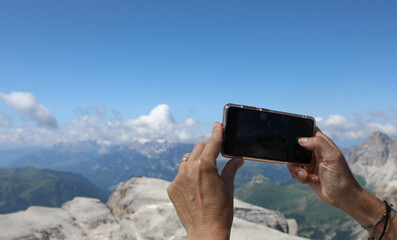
(334, 60)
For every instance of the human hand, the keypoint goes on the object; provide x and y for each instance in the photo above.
(328, 174)
(203, 199)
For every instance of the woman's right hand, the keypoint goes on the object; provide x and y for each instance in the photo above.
(333, 182)
(328, 174)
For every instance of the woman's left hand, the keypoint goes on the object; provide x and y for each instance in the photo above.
(203, 199)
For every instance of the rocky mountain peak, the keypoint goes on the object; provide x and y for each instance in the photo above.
(378, 139)
(375, 159)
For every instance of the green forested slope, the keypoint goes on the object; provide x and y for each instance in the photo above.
(23, 187)
(315, 218)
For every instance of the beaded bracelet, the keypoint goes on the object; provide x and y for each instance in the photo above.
(379, 220)
(385, 216)
(389, 208)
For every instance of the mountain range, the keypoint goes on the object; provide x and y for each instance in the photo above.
(106, 166)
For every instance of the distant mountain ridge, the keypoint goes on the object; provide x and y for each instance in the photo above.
(107, 166)
(23, 187)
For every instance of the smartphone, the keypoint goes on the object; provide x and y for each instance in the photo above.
(265, 135)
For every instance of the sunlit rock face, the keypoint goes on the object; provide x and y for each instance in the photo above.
(138, 209)
(375, 160)
(95, 219)
(142, 204)
(81, 218)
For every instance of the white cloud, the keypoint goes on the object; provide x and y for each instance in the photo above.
(25, 103)
(158, 125)
(339, 128)
(190, 122)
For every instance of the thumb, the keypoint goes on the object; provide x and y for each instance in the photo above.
(316, 143)
(230, 170)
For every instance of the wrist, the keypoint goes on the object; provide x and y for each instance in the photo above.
(362, 206)
(212, 233)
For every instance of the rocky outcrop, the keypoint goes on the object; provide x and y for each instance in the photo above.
(136, 201)
(375, 160)
(264, 217)
(138, 209)
(95, 219)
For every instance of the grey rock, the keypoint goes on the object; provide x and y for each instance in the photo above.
(40, 223)
(95, 219)
(142, 204)
(259, 215)
(138, 209)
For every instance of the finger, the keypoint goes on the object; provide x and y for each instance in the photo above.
(298, 173)
(213, 146)
(229, 171)
(197, 150)
(316, 143)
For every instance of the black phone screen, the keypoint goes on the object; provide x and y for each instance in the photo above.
(266, 135)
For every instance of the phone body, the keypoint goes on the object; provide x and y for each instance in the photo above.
(265, 135)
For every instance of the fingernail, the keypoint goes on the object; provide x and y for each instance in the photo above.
(302, 140)
(301, 175)
(215, 124)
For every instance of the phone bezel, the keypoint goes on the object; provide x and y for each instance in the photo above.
(224, 124)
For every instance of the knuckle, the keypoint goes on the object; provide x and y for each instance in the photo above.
(170, 190)
(214, 141)
(317, 140)
(204, 166)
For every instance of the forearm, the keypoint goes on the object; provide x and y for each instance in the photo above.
(366, 208)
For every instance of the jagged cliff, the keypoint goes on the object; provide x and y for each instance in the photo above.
(138, 209)
(375, 160)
